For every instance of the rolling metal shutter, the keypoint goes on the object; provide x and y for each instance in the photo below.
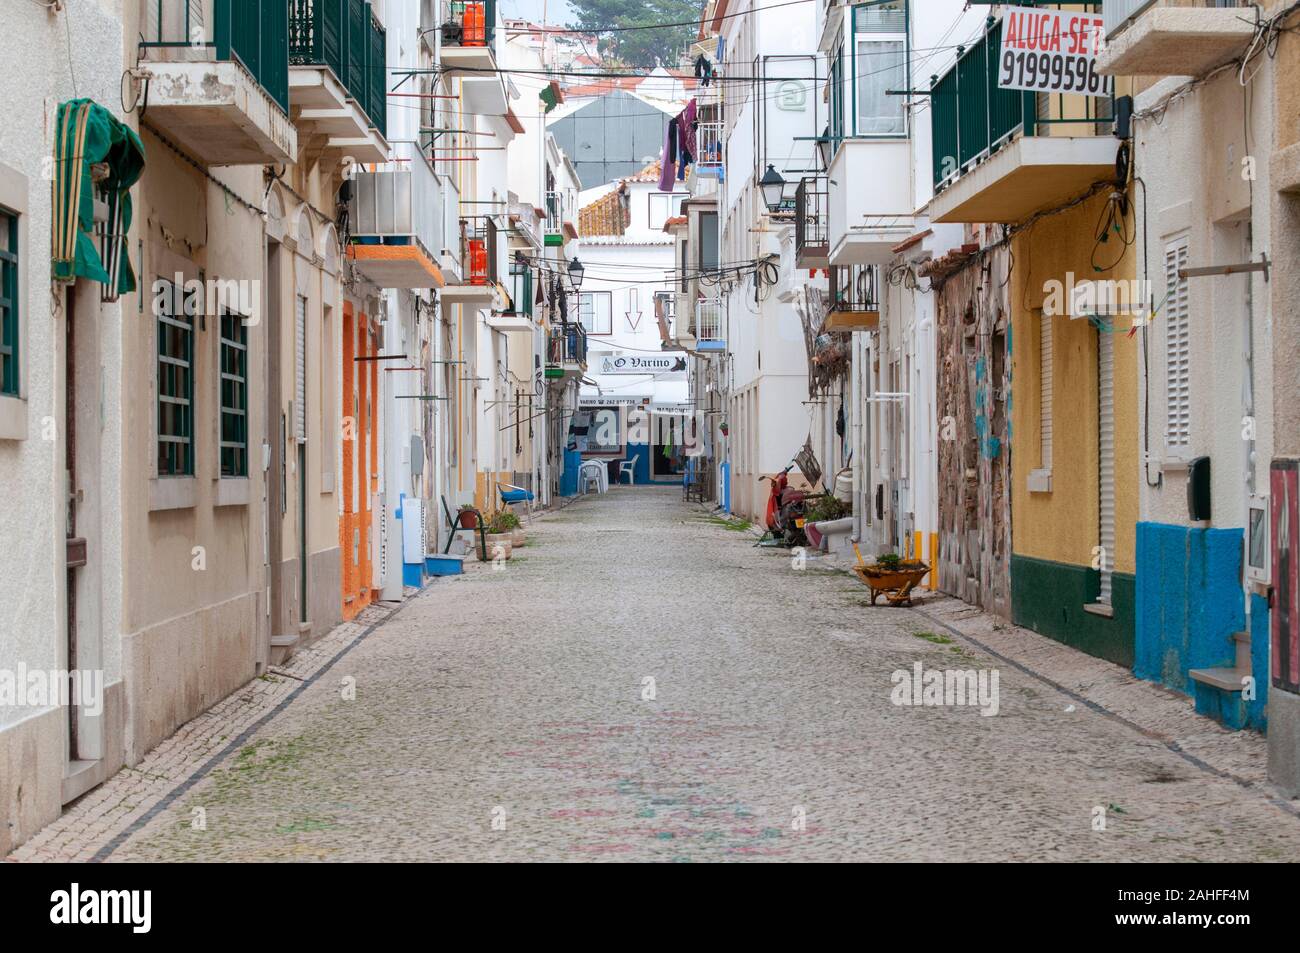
(1106, 458)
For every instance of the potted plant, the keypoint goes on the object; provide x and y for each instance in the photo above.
(466, 517)
(500, 536)
(510, 524)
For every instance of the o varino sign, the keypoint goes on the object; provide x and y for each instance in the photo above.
(658, 365)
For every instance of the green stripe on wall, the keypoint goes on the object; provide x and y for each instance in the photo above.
(1049, 597)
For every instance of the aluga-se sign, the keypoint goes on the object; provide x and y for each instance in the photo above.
(1051, 51)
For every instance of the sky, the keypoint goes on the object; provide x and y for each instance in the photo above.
(557, 11)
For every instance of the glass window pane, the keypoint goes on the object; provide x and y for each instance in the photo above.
(882, 65)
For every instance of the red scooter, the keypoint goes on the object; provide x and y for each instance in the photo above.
(785, 509)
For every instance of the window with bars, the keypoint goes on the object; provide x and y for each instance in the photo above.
(8, 303)
(175, 380)
(1178, 396)
(234, 395)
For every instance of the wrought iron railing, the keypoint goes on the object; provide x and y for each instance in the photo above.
(345, 36)
(567, 344)
(254, 33)
(972, 117)
(855, 288)
(811, 232)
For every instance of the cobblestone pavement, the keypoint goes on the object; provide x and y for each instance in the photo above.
(500, 716)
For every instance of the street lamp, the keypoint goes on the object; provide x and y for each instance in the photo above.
(773, 185)
(576, 270)
(824, 148)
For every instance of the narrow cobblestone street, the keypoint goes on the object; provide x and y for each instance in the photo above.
(516, 695)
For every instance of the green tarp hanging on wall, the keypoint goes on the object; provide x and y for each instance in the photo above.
(86, 135)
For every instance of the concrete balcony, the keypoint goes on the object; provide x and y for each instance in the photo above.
(811, 227)
(1172, 39)
(338, 105)
(999, 155)
(331, 123)
(1027, 174)
(204, 96)
(396, 224)
(478, 286)
(870, 188)
(467, 35)
(854, 298)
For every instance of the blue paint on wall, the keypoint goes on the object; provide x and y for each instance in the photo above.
(1189, 603)
(640, 469)
(569, 476)
(725, 468)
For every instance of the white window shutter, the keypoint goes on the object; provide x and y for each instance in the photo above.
(300, 369)
(1178, 397)
(1045, 388)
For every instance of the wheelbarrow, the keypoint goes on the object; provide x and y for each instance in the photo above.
(895, 584)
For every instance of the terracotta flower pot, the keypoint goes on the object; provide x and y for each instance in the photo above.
(499, 544)
(468, 520)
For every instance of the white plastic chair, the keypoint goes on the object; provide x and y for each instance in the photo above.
(628, 467)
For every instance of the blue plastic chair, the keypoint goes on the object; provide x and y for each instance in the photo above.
(516, 494)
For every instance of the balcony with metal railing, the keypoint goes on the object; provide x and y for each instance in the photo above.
(566, 351)
(558, 226)
(854, 298)
(1172, 37)
(1001, 154)
(811, 223)
(395, 226)
(218, 83)
(710, 146)
(706, 326)
(478, 265)
(337, 76)
(468, 31)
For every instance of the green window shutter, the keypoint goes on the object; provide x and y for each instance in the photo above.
(234, 395)
(9, 299)
(175, 379)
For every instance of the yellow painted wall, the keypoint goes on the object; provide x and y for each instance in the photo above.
(1062, 525)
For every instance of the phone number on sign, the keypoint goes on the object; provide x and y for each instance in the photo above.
(1052, 73)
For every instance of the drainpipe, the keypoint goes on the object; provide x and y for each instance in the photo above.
(855, 434)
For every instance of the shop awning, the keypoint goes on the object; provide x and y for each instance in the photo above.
(95, 155)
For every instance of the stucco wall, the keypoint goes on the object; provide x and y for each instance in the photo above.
(1062, 525)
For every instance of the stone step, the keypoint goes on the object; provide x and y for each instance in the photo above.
(1226, 679)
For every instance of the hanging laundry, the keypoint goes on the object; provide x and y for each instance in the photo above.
(703, 70)
(668, 164)
(722, 50)
(686, 125)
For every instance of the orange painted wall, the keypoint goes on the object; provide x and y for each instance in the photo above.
(359, 448)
